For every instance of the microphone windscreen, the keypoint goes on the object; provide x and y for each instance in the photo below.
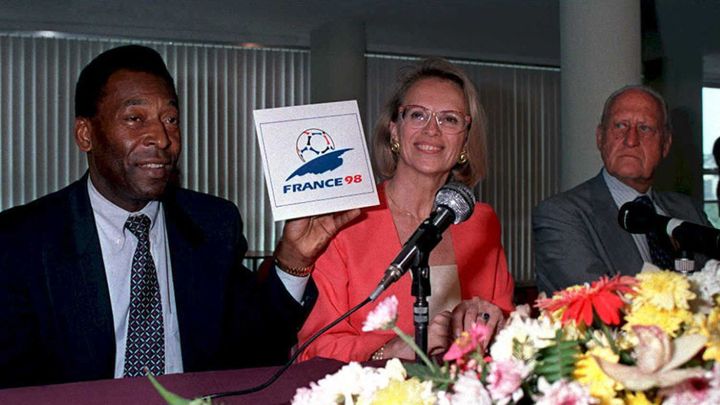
(458, 198)
(636, 217)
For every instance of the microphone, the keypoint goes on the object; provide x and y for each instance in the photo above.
(636, 217)
(454, 203)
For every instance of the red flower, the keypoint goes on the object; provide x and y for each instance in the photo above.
(602, 296)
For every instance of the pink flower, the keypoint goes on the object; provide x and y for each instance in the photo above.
(696, 391)
(383, 316)
(563, 392)
(467, 342)
(505, 378)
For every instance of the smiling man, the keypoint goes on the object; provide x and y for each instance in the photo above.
(577, 235)
(123, 272)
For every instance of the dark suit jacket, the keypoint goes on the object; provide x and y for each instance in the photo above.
(57, 323)
(578, 238)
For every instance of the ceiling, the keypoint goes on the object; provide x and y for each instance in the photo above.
(515, 31)
(523, 31)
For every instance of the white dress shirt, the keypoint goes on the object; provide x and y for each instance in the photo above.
(118, 247)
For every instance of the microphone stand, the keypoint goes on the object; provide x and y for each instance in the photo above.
(421, 290)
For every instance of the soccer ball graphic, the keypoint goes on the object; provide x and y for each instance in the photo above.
(312, 143)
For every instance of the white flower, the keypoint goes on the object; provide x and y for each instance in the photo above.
(705, 283)
(383, 316)
(395, 370)
(468, 390)
(350, 385)
(563, 392)
(522, 337)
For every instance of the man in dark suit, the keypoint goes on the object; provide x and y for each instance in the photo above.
(123, 272)
(577, 235)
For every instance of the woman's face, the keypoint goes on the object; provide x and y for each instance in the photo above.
(431, 149)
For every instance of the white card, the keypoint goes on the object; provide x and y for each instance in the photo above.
(315, 159)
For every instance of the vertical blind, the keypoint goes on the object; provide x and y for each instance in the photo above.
(220, 85)
(523, 109)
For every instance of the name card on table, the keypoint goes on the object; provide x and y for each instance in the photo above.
(315, 159)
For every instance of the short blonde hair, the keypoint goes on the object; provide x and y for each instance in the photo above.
(385, 161)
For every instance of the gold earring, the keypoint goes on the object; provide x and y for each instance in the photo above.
(463, 158)
(394, 146)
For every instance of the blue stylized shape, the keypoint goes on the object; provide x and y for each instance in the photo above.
(321, 164)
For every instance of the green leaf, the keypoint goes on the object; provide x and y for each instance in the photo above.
(174, 399)
(440, 376)
(557, 361)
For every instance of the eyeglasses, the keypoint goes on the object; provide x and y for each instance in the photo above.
(450, 122)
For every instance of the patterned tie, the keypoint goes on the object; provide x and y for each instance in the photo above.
(658, 243)
(145, 336)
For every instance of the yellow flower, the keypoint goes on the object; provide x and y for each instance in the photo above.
(639, 398)
(711, 329)
(670, 321)
(412, 392)
(588, 373)
(664, 289)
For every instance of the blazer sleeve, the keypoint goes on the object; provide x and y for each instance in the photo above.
(344, 341)
(266, 317)
(21, 350)
(565, 252)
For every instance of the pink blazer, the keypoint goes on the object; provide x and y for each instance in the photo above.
(355, 261)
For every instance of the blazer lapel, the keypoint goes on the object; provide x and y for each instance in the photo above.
(78, 288)
(625, 255)
(197, 290)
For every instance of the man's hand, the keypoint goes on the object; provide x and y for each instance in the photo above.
(304, 239)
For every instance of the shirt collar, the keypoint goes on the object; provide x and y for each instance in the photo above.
(115, 217)
(621, 192)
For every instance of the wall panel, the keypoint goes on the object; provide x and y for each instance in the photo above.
(218, 86)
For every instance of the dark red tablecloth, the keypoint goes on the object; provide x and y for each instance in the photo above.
(141, 391)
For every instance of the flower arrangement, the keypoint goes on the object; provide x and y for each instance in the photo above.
(649, 339)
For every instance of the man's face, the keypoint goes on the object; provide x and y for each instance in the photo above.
(635, 140)
(133, 142)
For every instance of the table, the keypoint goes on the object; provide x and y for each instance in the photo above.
(140, 390)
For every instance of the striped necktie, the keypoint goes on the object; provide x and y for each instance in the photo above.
(658, 243)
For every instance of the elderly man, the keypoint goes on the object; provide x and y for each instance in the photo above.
(577, 235)
(122, 272)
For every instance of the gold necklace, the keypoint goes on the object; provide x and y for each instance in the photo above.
(400, 209)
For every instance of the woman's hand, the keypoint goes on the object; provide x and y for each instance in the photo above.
(477, 310)
(439, 339)
(304, 239)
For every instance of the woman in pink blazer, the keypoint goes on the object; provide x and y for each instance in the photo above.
(432, 130)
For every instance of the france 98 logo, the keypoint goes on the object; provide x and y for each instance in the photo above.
(319, 154)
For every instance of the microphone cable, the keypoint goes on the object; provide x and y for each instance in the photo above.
(295, 355)
(456, 199)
